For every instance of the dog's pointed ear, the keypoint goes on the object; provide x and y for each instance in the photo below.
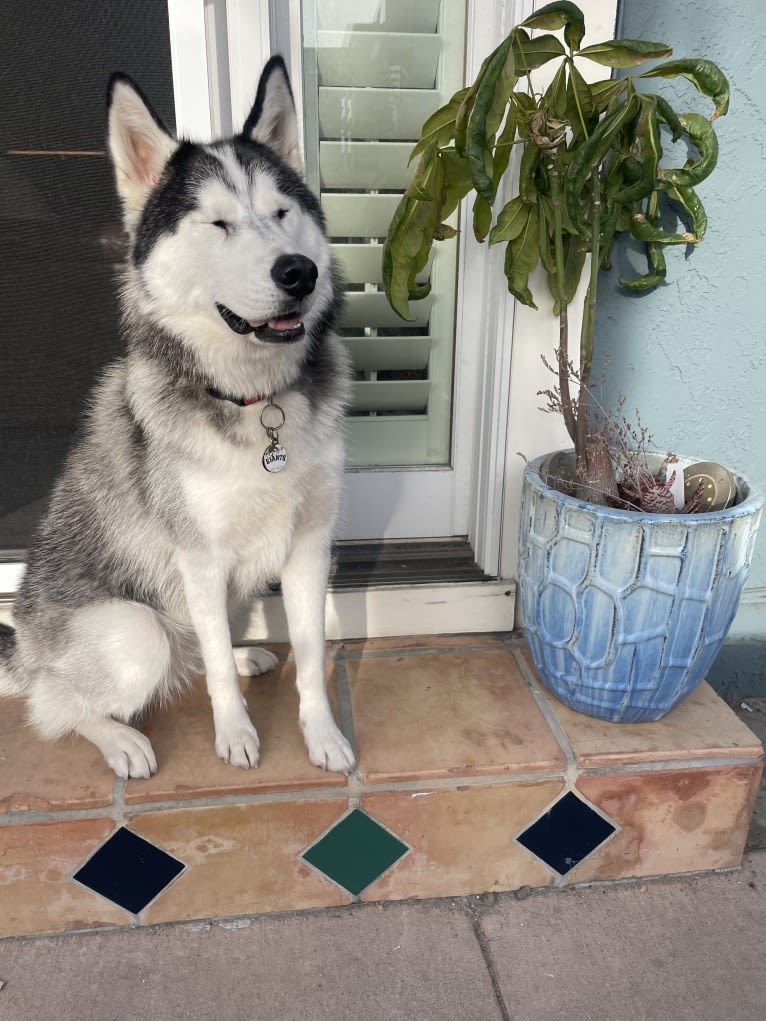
(273, 121)
(139, 144)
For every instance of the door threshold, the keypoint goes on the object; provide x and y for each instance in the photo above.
(377, 563)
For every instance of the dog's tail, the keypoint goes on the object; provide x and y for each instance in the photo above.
(9, 684)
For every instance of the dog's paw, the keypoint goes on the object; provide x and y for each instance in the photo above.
(129, 754)
(327, 747)
(237, 743)
(252, 660)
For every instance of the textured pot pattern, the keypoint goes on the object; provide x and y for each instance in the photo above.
(624, 612)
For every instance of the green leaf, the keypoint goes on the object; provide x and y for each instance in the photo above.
(574, 30)
(649, 147)
(482, 218)
(654, 253)
(690, 201)
(417, 191)
(504, 86)
(439, 127)
(642, 228)
(706, 76)
(625, 52)
(420, 291)
(530, 160)
(556, 15)
(525, 104)
(479, 155)
(533, 53)
(545, 242)
(510, 222)
(443, 232)
(581, 94)
(504, 146)
(457, 180)
(467, 103)
(701, 134)
(521, 258)
(555, 98)
(644, 283)
(574, 262)
(604, 92)
(667, 115)
(411, 232)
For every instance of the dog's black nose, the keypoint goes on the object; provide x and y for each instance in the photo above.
(295, 274)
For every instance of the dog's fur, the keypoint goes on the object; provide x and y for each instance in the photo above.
(164, 512)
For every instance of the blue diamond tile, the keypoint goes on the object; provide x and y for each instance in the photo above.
(355, 852)
(128, 870)
(568, 832)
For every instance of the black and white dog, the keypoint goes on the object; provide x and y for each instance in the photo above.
(211, 460)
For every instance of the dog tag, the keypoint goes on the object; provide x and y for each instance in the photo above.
(274, 457)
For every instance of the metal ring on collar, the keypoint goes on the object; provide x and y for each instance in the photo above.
(274, 425)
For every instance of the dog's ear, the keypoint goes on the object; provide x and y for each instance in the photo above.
(139, 145)
(272, 121)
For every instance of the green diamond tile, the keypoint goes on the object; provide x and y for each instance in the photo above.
(355, 852)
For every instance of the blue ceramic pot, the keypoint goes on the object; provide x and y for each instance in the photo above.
(625, 612)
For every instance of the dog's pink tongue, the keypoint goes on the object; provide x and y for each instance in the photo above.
(285, 324)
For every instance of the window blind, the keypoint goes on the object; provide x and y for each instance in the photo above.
(374, 72)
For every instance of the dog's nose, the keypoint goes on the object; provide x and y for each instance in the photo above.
(295, 274)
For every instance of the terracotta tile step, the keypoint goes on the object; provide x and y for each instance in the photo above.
(468, 776)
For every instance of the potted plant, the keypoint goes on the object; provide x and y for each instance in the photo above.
(631, 563)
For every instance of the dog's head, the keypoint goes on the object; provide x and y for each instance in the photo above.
(227, 241)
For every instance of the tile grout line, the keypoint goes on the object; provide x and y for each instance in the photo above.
(660, 765)
(346, 721)
(353, 789)
(345, 705)
(120, 811)
(548, 714)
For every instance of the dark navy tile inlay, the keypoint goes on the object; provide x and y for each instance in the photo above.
(568, 832)
(129, 870)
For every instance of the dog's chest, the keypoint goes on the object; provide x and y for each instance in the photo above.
(236, 502)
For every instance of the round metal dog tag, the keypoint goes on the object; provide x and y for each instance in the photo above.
(274, 457)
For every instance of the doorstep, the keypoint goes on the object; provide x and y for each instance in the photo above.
(471, 779)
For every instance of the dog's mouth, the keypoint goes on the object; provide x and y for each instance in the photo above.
(284, 328)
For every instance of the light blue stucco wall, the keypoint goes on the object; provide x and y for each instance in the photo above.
(692, 355)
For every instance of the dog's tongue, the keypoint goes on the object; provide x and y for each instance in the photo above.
(290, 323)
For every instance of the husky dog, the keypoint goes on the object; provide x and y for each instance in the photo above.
(170, 504)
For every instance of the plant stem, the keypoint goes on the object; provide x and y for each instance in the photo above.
(586, 332)
(563, 350)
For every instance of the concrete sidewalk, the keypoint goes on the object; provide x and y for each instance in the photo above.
(691, 949)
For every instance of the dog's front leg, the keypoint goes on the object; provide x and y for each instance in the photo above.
(304, 589)
(205, 586)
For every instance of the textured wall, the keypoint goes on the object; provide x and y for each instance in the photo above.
(692, 355)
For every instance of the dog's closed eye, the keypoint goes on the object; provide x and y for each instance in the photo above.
(222, 224)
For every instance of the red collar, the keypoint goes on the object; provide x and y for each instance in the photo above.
(241, 402)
